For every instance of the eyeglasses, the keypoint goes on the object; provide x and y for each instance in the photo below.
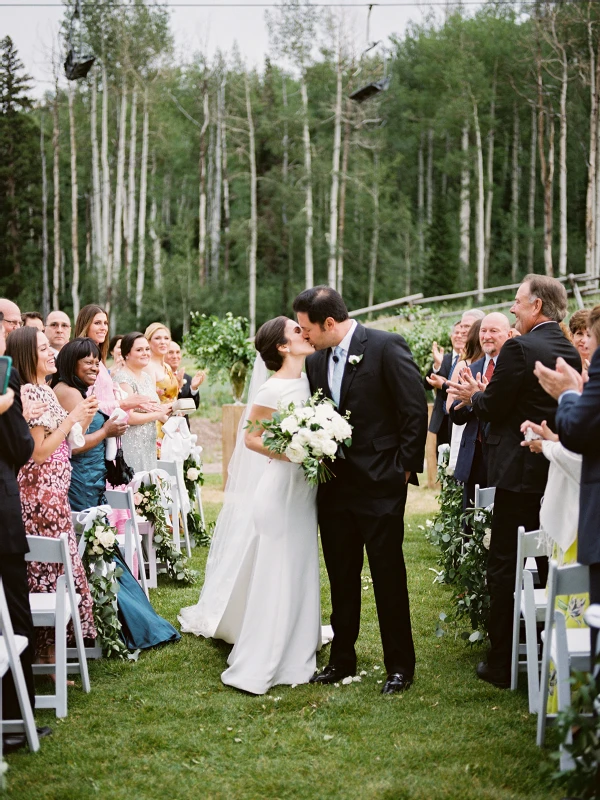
(14, 323)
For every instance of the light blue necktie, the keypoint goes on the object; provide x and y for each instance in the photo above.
(338, 374)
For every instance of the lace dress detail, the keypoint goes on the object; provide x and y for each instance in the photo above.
(139, 441)
(44, 492)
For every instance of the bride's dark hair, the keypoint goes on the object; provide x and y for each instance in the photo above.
(268, 338)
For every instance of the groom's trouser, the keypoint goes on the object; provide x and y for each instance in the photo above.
(344, 535)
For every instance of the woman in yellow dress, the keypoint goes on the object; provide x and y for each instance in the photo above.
(167, 385)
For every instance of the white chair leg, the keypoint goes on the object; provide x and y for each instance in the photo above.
(200, 506)
(543, 694)
(533, 667)
(60, 648)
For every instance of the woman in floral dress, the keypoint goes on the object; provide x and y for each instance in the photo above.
(44, 480)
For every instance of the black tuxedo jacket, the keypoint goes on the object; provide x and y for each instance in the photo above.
(16, 447)
(186, 390)
(514, 395)
(388, 411)
(441, 395)
(578, 426)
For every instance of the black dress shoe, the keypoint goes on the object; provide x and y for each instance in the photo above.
(331, 674)
(15, 741)
(497, 677)
(396, 682)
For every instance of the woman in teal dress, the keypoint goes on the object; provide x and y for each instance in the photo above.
(77, 368)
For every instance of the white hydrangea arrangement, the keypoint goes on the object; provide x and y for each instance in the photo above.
(309, 435)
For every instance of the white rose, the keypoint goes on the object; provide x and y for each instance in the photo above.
(303, 436)
(106, 538)
(324, 413)
(296, 452)
(487, 539)
(307, 412)
(321, 443)
(289, 425)
(330, 447)
(450, 471)
(192, 474)
(339, 428)
(98, 529)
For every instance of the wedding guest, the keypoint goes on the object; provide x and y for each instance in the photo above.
(512, 396)
(77, 368)
(580, 335)
(167, 385)
(471, 463)
(58, 329)
(16, 447)
(33, 319)
(11, 312)
(188, 386)
(92, 322)
(578, 428)
(44, 479)
(442, 366)
(139, 441)
(114, 351)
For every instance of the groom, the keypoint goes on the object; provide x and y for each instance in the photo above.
(370, 373)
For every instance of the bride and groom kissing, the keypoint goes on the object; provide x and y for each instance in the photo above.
(261, 591)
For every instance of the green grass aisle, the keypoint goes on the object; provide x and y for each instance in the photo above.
(165, 727)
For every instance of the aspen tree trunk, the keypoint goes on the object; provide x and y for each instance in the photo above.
(335, 178)
(407, 264)
(106, 244)
(253, 214)
(590, 198)
(74, 194)
(45, 286)
(546, 169)
(56, 208)
(308, 203)
(375, 235)
(96, 205)
(562, 166)
(479, 208)
(515, 196)
(120, 188)
(420, 201)
(465, 206)
(157, 269)
(445, 173)
(141, 269)
(287, 243)
(429, 176)
(532, 185)
(130, 226)
(226, 211)
(215, 228)
(490, 180)
(342, 222)
(210, 194)
(202, 202)
(166, 201)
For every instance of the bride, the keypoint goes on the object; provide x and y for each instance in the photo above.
(261, 589)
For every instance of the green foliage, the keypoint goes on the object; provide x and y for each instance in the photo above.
(442, 266)
(423, 330)
(220, 344)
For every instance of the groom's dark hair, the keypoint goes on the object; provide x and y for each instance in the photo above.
(321, 302)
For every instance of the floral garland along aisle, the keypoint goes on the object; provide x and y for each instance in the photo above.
(462, 560)
(98, 558)
(149, 503)
(193, 475)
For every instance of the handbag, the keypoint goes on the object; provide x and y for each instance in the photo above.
(118, 472)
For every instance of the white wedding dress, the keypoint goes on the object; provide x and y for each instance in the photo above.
(263, 593)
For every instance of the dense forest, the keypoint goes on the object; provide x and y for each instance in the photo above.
(158, 187)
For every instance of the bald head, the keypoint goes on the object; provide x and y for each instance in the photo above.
(494, 331)
(12, 315)
(58, 329)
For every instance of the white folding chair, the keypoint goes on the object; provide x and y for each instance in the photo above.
(175, 470)
(568, 648)
(530, 604)
(11, 647)
(123, 501)
(55, 610)
(484, 497)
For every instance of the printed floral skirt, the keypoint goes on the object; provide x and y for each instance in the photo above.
(44, 492)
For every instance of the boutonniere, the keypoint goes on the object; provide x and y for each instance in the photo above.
(355, 360)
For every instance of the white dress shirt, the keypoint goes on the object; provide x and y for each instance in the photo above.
(345, 346)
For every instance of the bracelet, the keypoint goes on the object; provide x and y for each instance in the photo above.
(58, 428)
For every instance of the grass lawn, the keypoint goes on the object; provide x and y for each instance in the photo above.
(165, 727)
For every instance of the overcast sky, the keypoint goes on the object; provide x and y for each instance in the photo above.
(33, 30)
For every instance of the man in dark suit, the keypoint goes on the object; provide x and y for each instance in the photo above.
(578, 428)
(471, 464)
(513, 396)
(371, 374)
(442, 366)
(16, 447)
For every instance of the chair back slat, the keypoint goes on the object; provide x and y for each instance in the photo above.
(572, 579)
(119, 500)
(533, 544)
(46, 549)
(484, 497)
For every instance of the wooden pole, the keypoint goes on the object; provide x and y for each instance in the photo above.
(232, 415)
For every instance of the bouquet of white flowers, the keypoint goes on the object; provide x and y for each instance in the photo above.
(308, 435)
